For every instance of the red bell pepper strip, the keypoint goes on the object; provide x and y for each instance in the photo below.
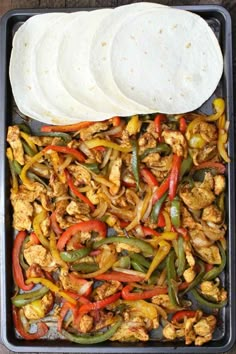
(42, 328)
(182, 125)
(87, 226)
(157, 122)
(161, 190)
(174, 176)
(119, 276)
(34, 239)
(66, 150)
(183, 232)
(64, 309)
(99, 148)
(54, 224)
(85, 285)
(129, 185)
(76, 192)
(149, 177)
(66, 128)
(99, 304)
(127, 295)
(208, 267)
(116, 121)
(219, 167)
(148, 231)
(17, 271)
(161, 220)
(180, 315)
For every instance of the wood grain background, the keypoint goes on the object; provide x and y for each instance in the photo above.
(230, 5)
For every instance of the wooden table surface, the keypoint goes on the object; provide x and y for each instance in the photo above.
(6, 5)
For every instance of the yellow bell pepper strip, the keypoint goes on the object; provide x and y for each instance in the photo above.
(192, 126)
(54, 251)
(166, 216)
(23, 175)
(134, 125)
(142, 308)
(112, 259)
(27, 139)
(37, 228)
(102, 142)
(56, 163)
(196, 141)
(51, 286)
(97, 337)
(222, 139)
(12, 170)
(66, 128)
(158, 258)
(219, 107)
(87, 226)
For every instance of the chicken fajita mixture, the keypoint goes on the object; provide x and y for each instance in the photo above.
(120, 228)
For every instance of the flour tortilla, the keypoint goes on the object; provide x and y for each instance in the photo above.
(168, 61)
(46, 54)
(73, 63)
(99, 60)
(23, 81)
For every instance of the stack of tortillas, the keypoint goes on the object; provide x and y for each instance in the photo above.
(92, 65)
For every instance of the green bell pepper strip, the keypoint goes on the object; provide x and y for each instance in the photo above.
(162, 147)
(92, 167)
(140, 259)
(72, 256)
(144, 246)
(215, 271)
(171, 278)
(17, 167)
(175, 212)
(157, 208)
(24, 128)
(28, 149)
(202, 301)
(96, 337)
(196, 280)
(186, 166)
(26, 298)
(84, 267)
(135, 163)
(123, 262)
(24, 265)
(137, 266)
(181, 257)
(64, 136)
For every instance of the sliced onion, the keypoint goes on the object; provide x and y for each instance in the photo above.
(124, 214)
(83, 147)
(100, 210)
(66, 163)
(82, 290)
(64, 197)
(129, 271)
(113, 197)
(106, 157)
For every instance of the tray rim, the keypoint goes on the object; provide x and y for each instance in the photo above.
(129, 348)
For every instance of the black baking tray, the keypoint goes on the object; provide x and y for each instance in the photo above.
(219, 20)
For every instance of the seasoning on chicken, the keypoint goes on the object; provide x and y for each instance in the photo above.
(177, 141)
(211, 288)
(13, 138)
(38, 254)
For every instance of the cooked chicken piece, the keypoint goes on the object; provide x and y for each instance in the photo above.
(214, 232)
(160, 175)
(210, 254)
(102, 319)
(196, 198)
(87, 133)
(106, 289)
(198, 239)
(208, 182)
(131, 331)
(125, 139)
(205, 154)
(115, 175)
(60, 212)
(80, 174)
(34, 271)
(152, 129)
(219, 184)
(152, 160)
(205, 326)
(177, 141)
(45, 226)
(39, 308)
(211, 288)
(171, 333)
(77, 208)
(208, 131)
(189, 275)
(39, 255)
(86, 324)
(212, 213)
(188, 253)
(189, 331)
(188, 221)
(146, 141)
(13, 138)
(58, 188)
(163, 301)
(22, 214)
(45, 140)
(201, 340)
